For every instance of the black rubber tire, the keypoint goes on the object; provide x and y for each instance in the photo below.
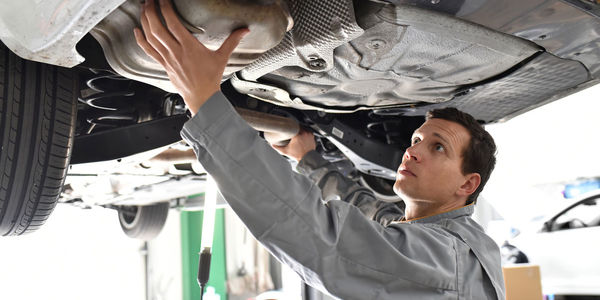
(37, 122)
(143, 222)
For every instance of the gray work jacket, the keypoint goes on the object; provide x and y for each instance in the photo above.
(332, 245)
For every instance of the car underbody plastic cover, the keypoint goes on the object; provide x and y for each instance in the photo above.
(406, 55)
(384, 56)
(402, 57)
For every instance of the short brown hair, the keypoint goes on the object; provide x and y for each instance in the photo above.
(480, 154)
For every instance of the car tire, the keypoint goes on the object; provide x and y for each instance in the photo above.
(37, 121)
(143, 222)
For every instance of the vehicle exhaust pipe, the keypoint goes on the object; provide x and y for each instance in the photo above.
(278, 130)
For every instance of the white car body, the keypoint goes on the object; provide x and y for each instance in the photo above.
(49, 31)
(567, 256)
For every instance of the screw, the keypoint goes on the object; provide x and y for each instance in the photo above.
(317, 64)
(376, 44)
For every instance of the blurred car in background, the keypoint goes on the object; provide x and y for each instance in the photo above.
(565, 245)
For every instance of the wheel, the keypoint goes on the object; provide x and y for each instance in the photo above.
(37, 122)
(143, 222)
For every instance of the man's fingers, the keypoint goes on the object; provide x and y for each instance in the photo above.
(157, 29)
(143, 43)
(173, 23)
(232, 42)
(156, 45)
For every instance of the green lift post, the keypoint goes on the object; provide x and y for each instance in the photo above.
(191, 228)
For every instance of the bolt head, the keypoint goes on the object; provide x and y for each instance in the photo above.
(318, 64)
(376, 44)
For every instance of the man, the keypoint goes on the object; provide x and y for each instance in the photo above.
(436, 252)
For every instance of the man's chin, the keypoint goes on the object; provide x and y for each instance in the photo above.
(402, 190)
(397, 188)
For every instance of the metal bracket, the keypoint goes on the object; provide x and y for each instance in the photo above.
(125, 141)
(368, 155)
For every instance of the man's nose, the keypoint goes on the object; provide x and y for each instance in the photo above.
(412, 153)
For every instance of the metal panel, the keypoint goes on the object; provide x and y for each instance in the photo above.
(124, 141)
(267, 23)
(530, 86)
(320, 27)
(406, 55)
(47, 31)
(567, 29)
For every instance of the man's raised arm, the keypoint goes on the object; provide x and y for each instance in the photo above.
(332, 247)
(335, 185)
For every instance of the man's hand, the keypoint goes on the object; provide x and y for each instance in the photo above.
(299, 145)
(194, 70)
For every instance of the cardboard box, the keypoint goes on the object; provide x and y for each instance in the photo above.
(522, 282)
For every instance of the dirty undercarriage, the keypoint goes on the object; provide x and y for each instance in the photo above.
(363, 73)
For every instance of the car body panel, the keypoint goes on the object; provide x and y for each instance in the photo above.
(566, 259)
(566, 256)
(49, 30)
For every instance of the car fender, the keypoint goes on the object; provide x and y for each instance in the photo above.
(50, 29)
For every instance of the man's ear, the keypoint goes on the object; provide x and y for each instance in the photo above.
(470, 185)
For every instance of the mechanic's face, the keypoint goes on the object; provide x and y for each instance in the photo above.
(431, 167)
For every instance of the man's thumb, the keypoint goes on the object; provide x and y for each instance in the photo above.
(232, 41)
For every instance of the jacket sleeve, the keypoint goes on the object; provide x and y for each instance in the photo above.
(335, 185)
(332, 246)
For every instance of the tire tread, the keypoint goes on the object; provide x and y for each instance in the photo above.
(37, 113)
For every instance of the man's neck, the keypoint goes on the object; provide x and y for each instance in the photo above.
(421, 209)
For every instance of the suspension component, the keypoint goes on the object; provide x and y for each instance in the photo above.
(109, 97)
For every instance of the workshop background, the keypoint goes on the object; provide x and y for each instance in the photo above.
(83, 254)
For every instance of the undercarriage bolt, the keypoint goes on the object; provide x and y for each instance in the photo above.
(376, 44)
(317, 64)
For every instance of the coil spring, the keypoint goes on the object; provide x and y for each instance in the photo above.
(109, 101)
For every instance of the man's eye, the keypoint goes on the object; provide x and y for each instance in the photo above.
(416, 140)
(439, 148)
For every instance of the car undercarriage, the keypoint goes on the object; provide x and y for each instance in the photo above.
(360, 74)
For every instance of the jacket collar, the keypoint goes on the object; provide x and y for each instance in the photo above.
(466, 210)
